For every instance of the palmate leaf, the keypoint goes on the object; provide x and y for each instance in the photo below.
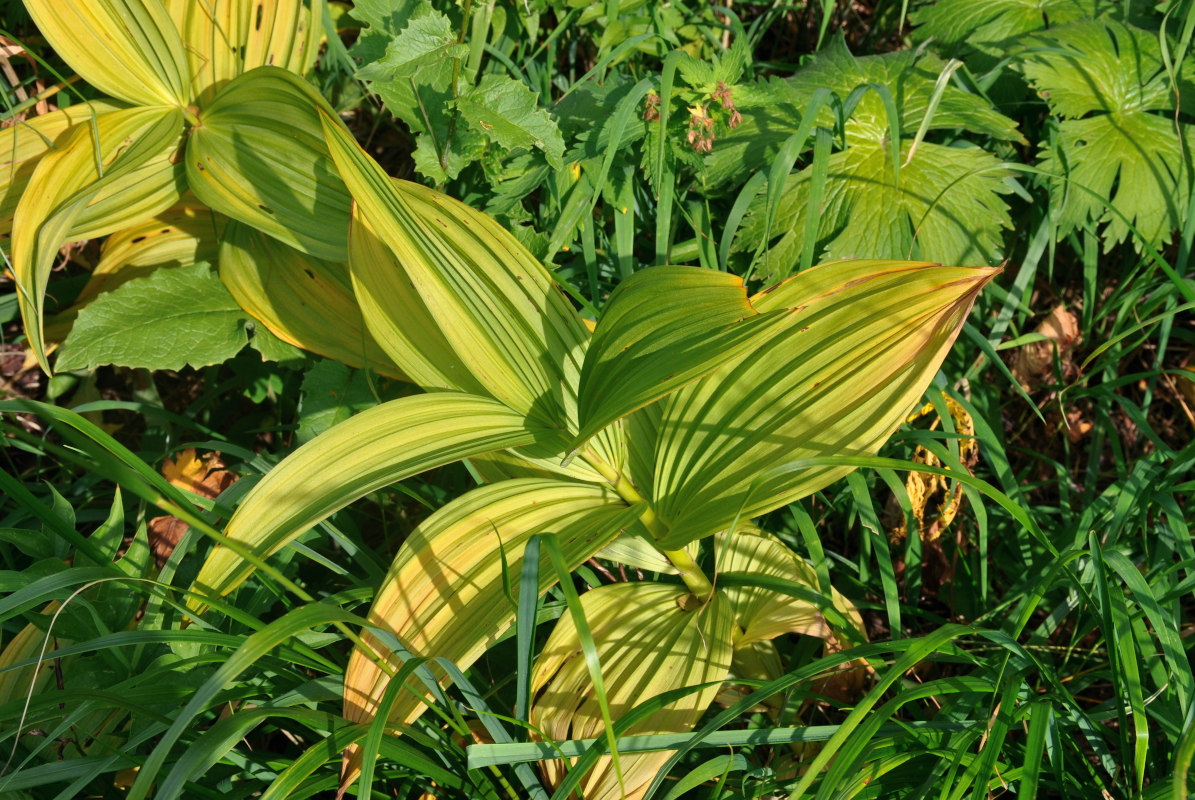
(67, 199)
(373, 449)
(129, 49)
(258, 156)
(993, 26)
(445, 594)
(1106, 79)
(650, 638)
(946, 207)
(806, 391)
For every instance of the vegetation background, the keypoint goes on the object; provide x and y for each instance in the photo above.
(1037, 647)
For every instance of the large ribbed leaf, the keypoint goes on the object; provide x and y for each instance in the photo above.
(226, 38)
(26, 141)
(362, 454)
(258, 156)
(497, 306)
(129, 49)
(303, 300)
(662, 328)
(66, 199)
(650, 639)
(866, 339)
(444, 596)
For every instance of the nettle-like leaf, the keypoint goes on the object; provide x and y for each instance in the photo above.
(942, 204)
(169, 319)
(994, 26)
(1106, 80)
(508, 113)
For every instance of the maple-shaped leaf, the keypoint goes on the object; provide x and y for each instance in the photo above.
(993, 26)
(205, 476)
(1107, 82)
(508, 113)
(946, 207)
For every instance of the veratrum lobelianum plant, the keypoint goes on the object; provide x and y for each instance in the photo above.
(206, 150)
(686, 413)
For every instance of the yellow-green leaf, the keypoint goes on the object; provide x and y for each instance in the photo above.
(258, 156)
(303, 300)
(362, 454)
(23, 143)
(662, 328)
(650, 638)
(865, 340)
(67, 199)
(497, 306)
(129, 49)
(444, 596)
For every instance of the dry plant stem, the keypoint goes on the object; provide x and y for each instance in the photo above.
(690, 572)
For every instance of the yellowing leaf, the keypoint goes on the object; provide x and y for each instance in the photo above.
(650, 639)
(864, 341)
(444, 595)
(129, 49)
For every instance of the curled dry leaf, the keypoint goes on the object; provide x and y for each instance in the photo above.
(1034, 362)
(203, 475)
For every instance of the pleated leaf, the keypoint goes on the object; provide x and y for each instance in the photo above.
(258, 156)
(375, 448)
(303, 300)
(865, 340)
(129, 49)
(66, 199)
(662, 328)
(497, 306)
(23, 143)
(762, 613)
(444, 596)
(650, 639)
(226, 38)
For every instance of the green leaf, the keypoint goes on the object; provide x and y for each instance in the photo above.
(258, 156)
(449, 592)
(995, 26)
(167, 320)
(331, 393)
(661, 329)
(506, 111)
(375, 448)
(129, 49)
(864, 341)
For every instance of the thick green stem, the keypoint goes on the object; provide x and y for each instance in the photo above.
(684, 563)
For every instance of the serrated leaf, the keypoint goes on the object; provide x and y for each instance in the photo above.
(507, 112)
(723, 439)
(67, 198)
(331, 393)
(129, 49)
(170, 319)
(993, 26)
(445, 596)
(375, 448)
(258, 156)
(947, 207)
(382, 20)
(649, 640)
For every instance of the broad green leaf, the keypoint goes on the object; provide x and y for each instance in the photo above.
(331, 393)
(258, 156)
(66, 199)
(651, 638)
(226, 38)
(994, 26)
(129, 49)
(24, 142)
(376, 448)
(181, 235)
(496, 305)
(864, 342)
(302, 300)
(508, 113)
(169, 319)
(445, 594)
(1105, 79)
(946, 207)
(661, 329)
